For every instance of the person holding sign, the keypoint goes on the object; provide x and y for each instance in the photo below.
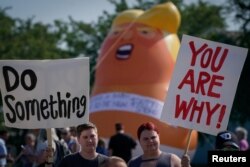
(87, 137)
(148, 135)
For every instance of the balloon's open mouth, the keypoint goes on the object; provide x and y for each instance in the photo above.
(124, 51)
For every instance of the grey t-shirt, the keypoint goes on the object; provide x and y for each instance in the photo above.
(164, 160)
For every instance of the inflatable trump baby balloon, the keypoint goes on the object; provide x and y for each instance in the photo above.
(133, 71)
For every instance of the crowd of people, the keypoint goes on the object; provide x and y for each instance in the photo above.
(81, 146)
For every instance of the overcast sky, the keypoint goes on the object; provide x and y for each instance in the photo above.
(47, 11)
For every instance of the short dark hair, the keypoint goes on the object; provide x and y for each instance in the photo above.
(118, 126)
(85, 126)
(146, 126)
(3, 132)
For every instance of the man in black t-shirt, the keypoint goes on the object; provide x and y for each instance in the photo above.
(121, 144)
(87, 137)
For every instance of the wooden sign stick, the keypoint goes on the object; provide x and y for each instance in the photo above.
(49, 140)
(188, 140)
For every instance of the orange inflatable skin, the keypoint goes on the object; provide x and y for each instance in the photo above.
(147, 66)
(135, 59)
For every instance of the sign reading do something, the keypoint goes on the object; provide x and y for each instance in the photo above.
(45, 93)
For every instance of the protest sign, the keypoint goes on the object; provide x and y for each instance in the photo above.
(44, 93)
(203, 85)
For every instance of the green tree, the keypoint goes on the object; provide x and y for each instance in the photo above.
(201, 19)
(241, 11)
(27, 40)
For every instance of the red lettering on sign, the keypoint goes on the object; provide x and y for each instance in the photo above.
(208, 56)
(204, 85)
(189, 110)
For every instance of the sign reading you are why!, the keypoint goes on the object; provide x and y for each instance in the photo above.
(45, 93)
(203, 85)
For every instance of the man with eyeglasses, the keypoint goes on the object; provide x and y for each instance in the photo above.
(227, 141)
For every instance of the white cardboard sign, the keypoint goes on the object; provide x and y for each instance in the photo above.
(45, 93)
(203, 85)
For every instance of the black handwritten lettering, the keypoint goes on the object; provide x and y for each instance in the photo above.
(43, 106)
(51, 108)
(20, 111)
(10, 87)
(12, 118)
(7, 70)
(83, 103)
(33, 79)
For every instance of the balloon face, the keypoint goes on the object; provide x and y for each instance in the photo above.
(133, 54)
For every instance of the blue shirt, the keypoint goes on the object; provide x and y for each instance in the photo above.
(3, 152)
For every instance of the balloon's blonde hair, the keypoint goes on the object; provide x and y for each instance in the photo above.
(163, 16)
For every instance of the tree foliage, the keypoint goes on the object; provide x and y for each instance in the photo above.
(23, 39)
(241, 107)
(202, 18)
